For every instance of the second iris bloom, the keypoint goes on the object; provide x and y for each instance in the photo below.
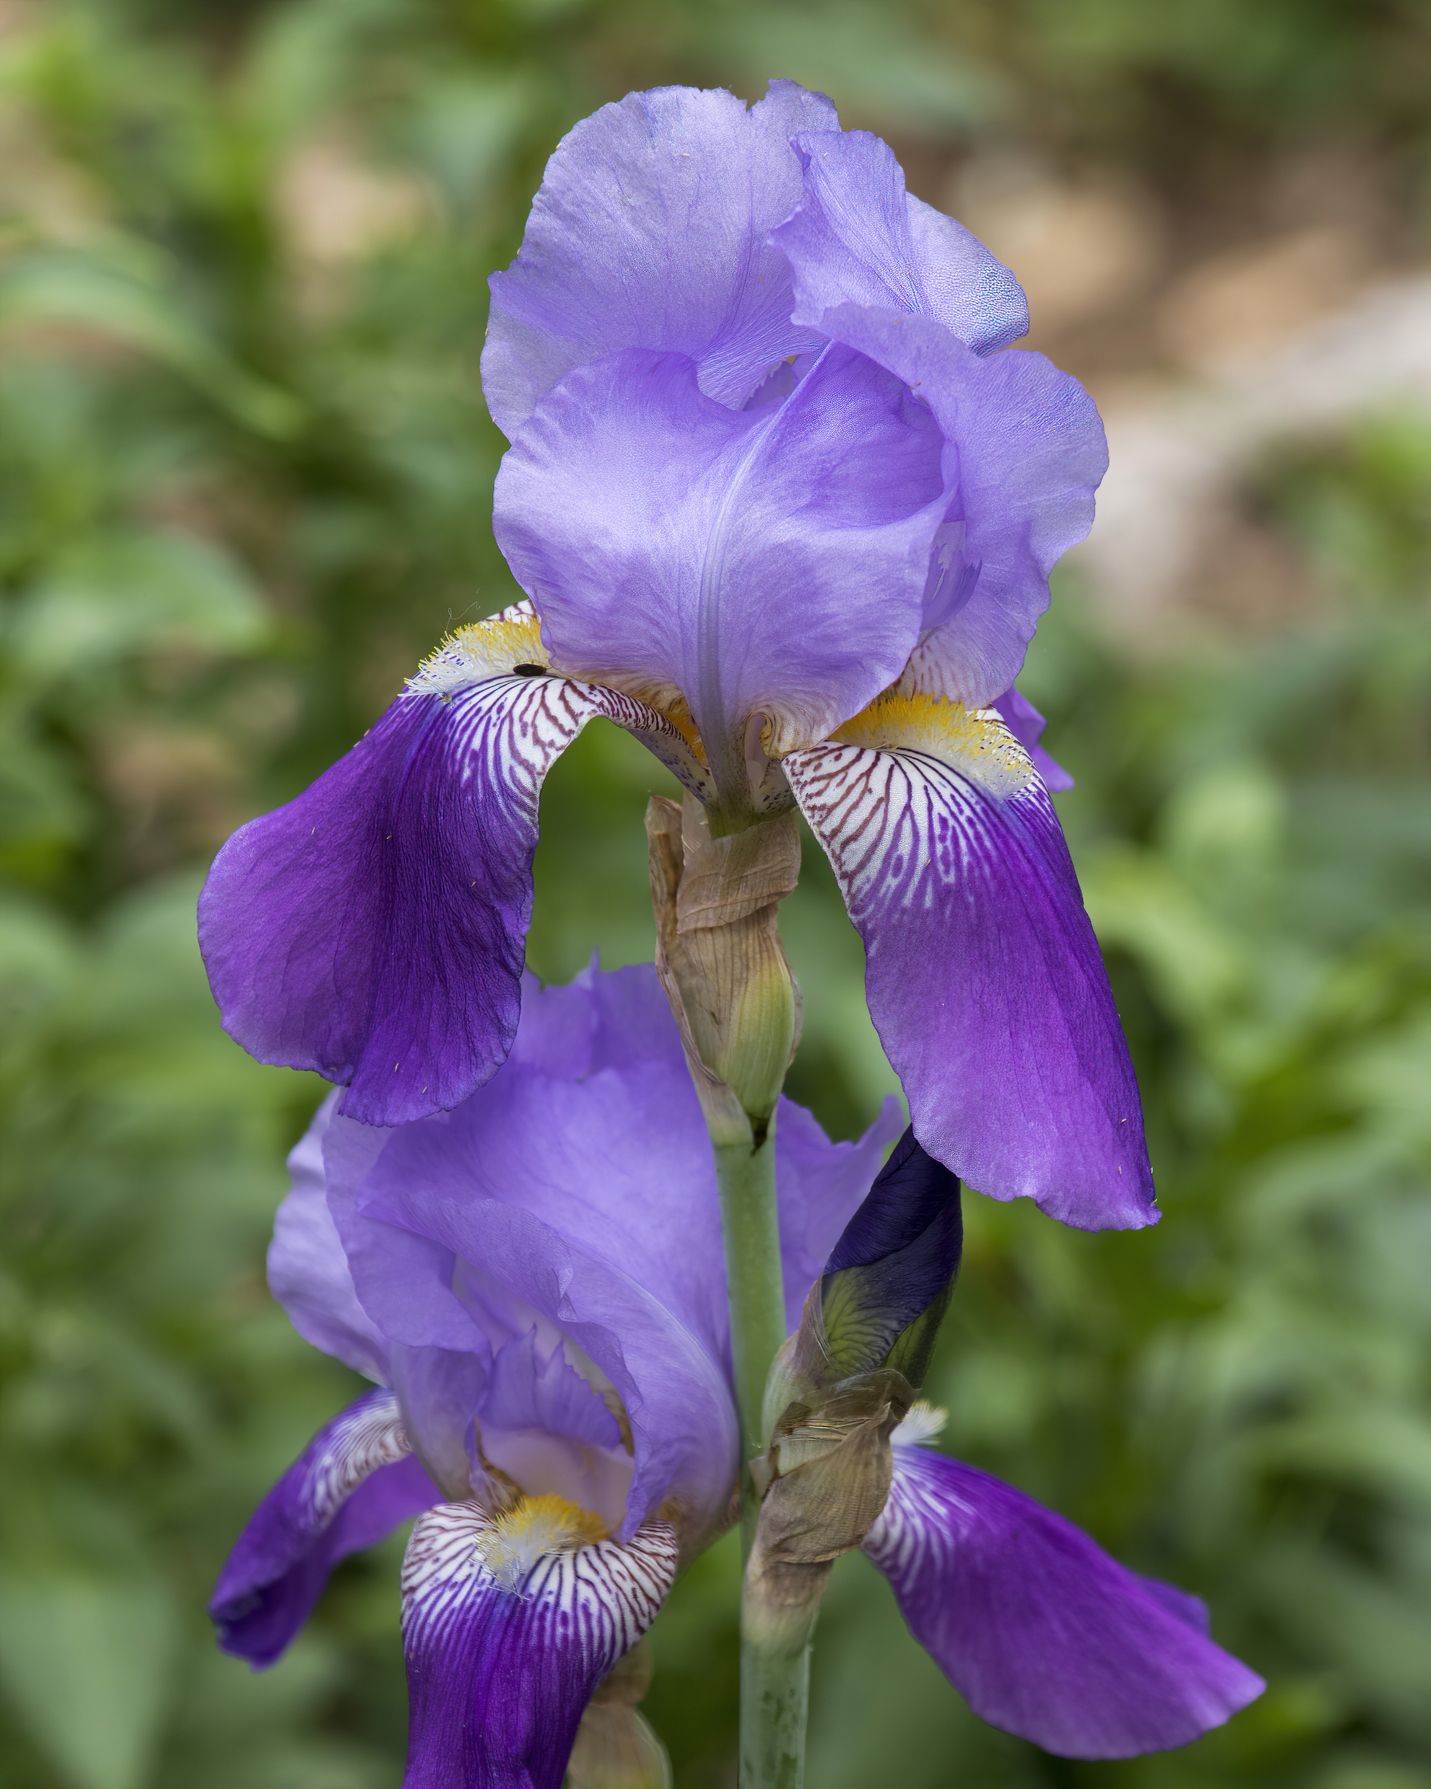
(534, 1282)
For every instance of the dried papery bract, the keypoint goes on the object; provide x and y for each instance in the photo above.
(829, 1470)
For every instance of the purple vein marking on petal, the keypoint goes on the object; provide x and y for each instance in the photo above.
(353, 1484)
(374, 928)
(502, 1663)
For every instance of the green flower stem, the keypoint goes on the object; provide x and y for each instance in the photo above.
(750, 1224)
(774, 1704)
(774, 1678)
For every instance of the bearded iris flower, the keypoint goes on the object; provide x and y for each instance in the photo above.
(784, 505)
(534, 1282)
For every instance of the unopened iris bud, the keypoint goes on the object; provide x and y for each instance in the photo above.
(879, 1303)
(888, 1281)
(721, 961)
(843, 1383)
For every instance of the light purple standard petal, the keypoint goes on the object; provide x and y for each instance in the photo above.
(1040, 1631)
(602, 1018)
(503, 1655)
(619, 1095)
(423, 1260)
(579, 1200)
(533, 1387)
(1026, 452)
(649, 231)
(857, 237)
(307, 1269)
(982, 972)
(374, 928)
(769, 563)
(822, 1185)
(353, 1484)
(547, 1427)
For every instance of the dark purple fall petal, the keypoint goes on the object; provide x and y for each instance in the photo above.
(761, 563)
(374, 928)
(1040, 1631)
(354, 1483)
(501, 1664)
(649, 231)
(982, 972)
(857, 237)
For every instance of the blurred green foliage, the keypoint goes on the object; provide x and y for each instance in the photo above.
(244, 482)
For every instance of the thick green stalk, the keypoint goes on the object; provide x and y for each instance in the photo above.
(750, 1225)
(774, 1677)
(715, 894)
(774, 1703)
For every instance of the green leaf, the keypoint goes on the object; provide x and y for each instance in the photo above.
(122, 594)
(85, 1663)
(125, 299)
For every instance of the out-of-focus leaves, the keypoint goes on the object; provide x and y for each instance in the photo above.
(122, 594)
(129, 306)
(88, 1631)
(85, 1662)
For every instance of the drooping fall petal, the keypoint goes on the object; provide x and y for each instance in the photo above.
(982, 972)
(374, 928)
(1038, 1628)
(353, 1484)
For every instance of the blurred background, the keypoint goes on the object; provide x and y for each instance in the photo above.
(245, 481)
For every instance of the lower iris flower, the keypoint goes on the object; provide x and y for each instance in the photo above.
(534, 1282)
(784, 505)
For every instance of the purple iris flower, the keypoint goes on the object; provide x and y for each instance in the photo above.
(534, 1282)
(784, 506)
